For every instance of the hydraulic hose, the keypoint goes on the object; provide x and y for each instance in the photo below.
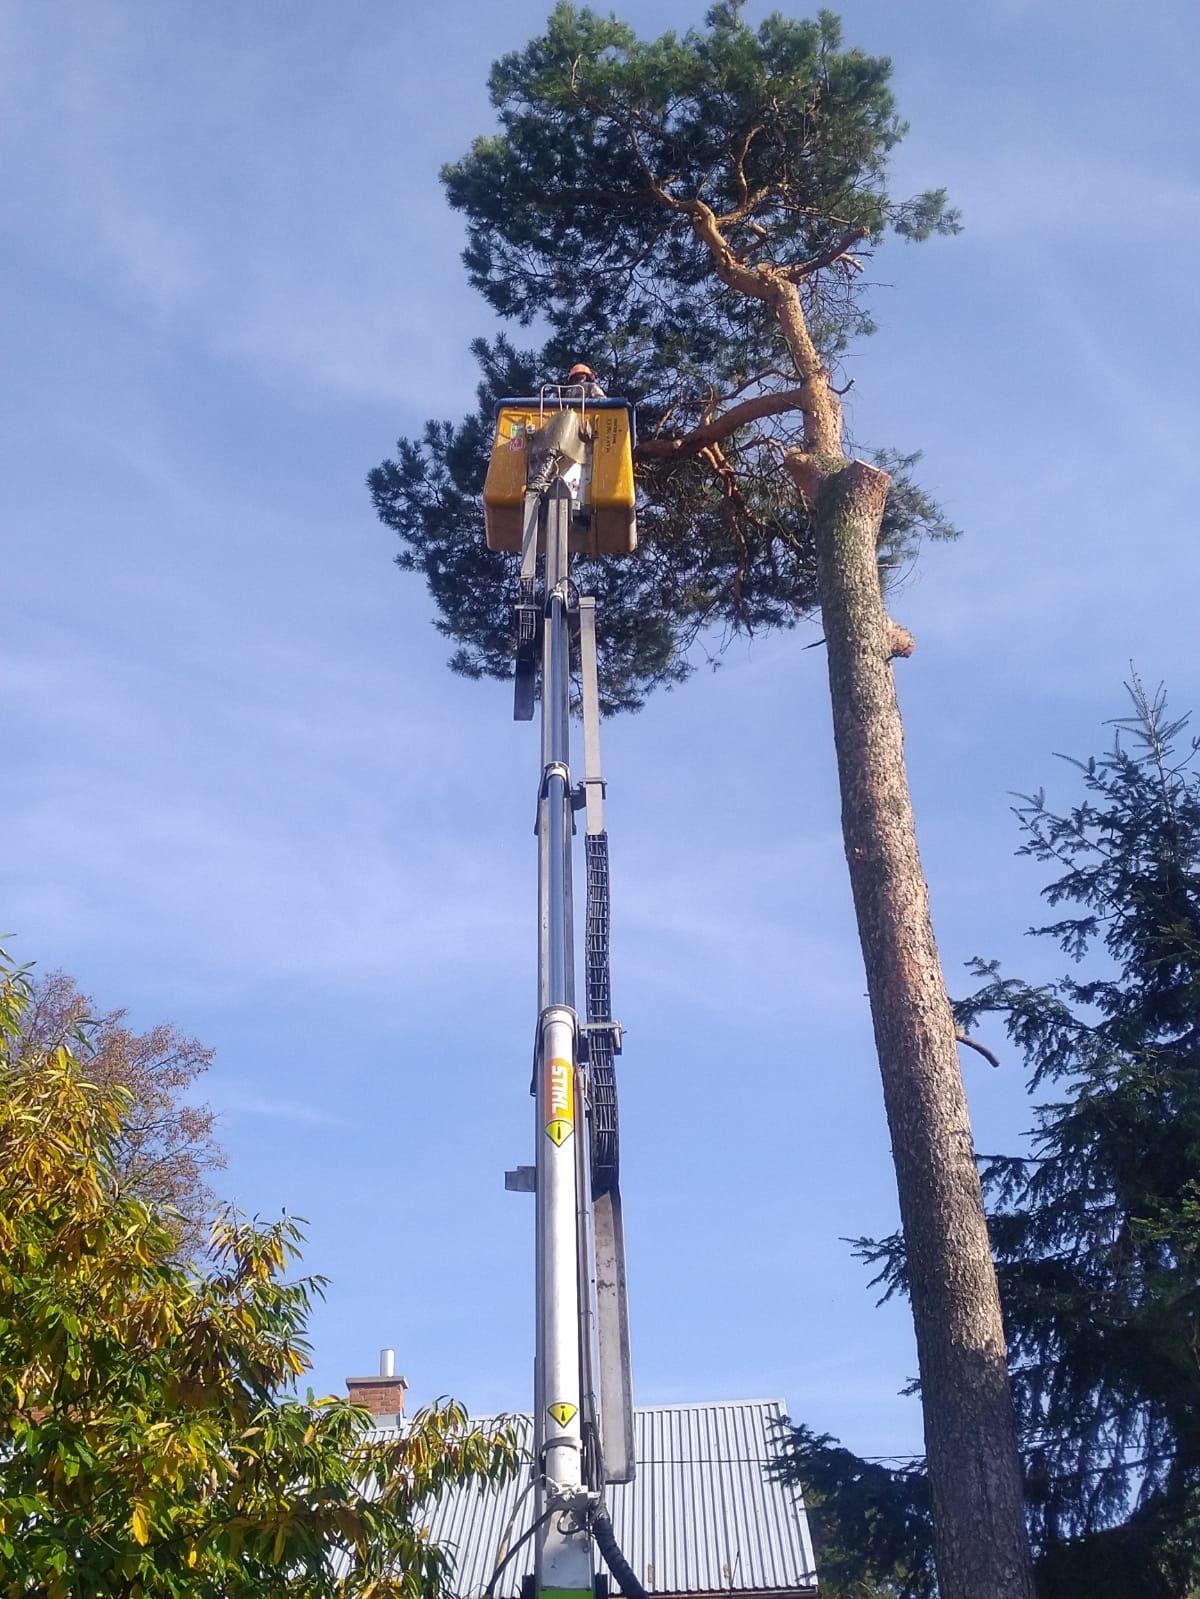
(606, 1542)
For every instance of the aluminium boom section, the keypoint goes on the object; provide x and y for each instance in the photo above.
(583, 1419)
(563, 1547)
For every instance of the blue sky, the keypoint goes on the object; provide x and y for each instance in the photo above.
(241, 792)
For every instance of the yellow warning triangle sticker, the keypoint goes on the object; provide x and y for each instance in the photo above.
(561, 1412)
(558, 1131)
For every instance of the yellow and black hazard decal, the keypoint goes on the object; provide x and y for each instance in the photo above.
(560, 1100)
(561, 1412)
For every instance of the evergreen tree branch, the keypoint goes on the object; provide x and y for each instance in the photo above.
(719, 428)
(837, 251)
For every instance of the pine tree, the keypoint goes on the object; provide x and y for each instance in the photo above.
(710, 567)
(695, 214)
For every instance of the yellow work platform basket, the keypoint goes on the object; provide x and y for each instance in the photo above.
(603, 521)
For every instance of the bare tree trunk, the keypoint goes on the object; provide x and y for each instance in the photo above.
(970, 1435)
(981, 1540)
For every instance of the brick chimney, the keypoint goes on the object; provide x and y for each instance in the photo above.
(382, 1395)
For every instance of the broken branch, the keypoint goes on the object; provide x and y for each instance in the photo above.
(973, 1043)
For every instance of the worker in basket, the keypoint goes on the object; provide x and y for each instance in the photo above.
(562, 435)
(558, 449)
(582, 377)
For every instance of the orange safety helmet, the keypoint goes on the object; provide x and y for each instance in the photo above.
(581, 371)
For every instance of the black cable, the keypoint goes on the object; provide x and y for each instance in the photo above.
(490, 1590)
(606, 1542)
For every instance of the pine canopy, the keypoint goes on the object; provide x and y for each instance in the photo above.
(580, 223)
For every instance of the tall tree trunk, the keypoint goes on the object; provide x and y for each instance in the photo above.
(970, 1434)
(981, 1540)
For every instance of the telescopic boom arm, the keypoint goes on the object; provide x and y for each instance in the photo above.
(583, 1419)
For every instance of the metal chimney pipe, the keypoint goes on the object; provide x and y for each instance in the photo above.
(387, 1362)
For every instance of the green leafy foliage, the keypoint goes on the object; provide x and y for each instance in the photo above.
(166, 1147)
(151, 1440)
(575, 224)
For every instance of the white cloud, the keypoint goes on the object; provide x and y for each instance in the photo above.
(226, 1097)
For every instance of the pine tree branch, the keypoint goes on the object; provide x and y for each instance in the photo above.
(733, 273)
(745, 205)
(720, 427)
(826, 257)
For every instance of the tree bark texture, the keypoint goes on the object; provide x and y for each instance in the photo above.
(970, 1433)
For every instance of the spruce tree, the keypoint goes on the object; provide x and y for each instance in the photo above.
(1097, 1231)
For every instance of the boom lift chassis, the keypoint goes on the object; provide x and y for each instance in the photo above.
(583, 1418)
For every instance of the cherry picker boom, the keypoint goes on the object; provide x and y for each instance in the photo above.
(560, 481)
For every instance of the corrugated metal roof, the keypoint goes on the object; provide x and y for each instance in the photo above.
(700, 1517)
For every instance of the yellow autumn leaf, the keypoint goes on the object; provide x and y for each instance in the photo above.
(140, 1523)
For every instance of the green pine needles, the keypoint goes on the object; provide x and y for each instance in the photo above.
(578, 226)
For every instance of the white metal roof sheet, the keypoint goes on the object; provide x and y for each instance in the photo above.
(701, 1516)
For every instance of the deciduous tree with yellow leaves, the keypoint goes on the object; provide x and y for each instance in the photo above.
(152, 1439)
